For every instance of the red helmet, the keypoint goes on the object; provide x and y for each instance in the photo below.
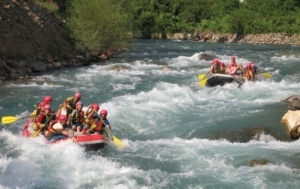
(103, 112)
(248, 65)
(79, 103)
(222, 64)
(96, 106)
(42, 104)
(233, 58)
(216, 61)
(62, 118)
(47, 107)
(252, 64)
(77, 95)
(47, 99)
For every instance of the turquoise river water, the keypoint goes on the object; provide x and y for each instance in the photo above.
(177, 135)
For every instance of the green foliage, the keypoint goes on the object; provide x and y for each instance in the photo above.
(48, 4)
(103, 24)
(232, 16)
(55, 6)
(98, 25)
(281, 16)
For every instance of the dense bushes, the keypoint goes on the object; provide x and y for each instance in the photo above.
(98, 25)
(102, 24)
(227, 16)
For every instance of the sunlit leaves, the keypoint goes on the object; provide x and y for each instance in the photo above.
(98, 25)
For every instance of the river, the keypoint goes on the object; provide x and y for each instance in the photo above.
(176, 134)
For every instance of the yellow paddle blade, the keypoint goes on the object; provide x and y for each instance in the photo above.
(36, 133)
(201, 76)
(9, 119)
(118, 142)
(266, 75)
(203, 82)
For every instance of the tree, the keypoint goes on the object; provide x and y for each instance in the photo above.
(98, 25)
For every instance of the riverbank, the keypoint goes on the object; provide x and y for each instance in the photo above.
(34, 40)
(214, 37)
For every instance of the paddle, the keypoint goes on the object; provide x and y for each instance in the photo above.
(266, 75)
(203, 79)
(203, 82)
(11, 119)
(201, 76)
(37, 132)
(116, 141)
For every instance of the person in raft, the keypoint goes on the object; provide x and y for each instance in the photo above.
(216, 66)
(77, 117)
(92, 109)
(47, 99)
(71, 102)
(99, 127)
(222, 67)
(92, 117)
(63, 110)
(35, 114)
(250, 71)
(56, 129)
(233, 68)
(104, 120)
(40, 107)
(44, 118)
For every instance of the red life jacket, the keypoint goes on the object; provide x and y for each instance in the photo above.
(100, 126)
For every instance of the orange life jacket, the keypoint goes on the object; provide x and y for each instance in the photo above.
(248, 74)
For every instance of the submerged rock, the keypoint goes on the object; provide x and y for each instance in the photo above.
(257, 162)
(207, 57)
(256, 133)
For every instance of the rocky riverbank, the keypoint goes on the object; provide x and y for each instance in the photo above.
(270, 38)
(33, 40)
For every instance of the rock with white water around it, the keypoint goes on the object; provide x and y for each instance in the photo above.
(291, 120)
(257, 162)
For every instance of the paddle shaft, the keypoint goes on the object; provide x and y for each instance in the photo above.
(36, 133)
(117, 141)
